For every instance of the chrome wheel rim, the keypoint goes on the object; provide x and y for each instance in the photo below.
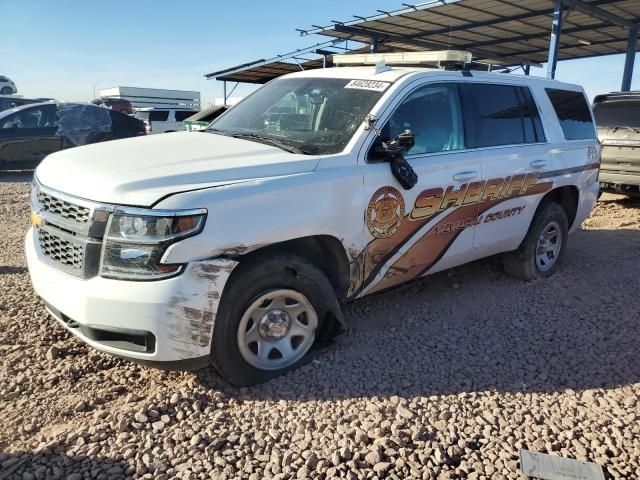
(548, 247)
(277, 329)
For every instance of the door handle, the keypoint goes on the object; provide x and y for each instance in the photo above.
(538, 163)
(464, 176)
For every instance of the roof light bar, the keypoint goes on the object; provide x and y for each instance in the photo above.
(434, 58)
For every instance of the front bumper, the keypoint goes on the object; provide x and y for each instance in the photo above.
(159, 322)
(617, 178)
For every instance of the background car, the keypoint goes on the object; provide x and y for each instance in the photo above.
(31, 132)
(12, 101)
(116, 104)
(199, 121)
(617, 116)
(162, 120)
(7, 87)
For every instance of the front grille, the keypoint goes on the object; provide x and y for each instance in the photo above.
(64, 252)
(62, 208)
(70, 230)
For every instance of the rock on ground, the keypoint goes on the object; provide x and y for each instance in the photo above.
(430, 381)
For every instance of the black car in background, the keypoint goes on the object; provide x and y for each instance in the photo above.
(31, 132)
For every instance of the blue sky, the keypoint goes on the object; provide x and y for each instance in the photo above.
(62, 48)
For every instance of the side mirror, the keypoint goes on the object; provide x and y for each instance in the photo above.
(401, 144)
(400, 168)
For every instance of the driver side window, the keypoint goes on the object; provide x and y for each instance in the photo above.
(31, 118)
(434, 115)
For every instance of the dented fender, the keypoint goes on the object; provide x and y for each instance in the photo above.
(191, 311)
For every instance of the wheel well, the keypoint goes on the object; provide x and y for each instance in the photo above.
(567, 198)
(324, 251)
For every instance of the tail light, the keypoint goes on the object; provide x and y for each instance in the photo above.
(142, 130)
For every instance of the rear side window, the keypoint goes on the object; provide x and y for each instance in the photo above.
(158, 115)
(617, 113)
(500, 115)
(573, 113)
(182, 115)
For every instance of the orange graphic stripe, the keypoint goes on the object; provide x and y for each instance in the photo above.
(430, 248)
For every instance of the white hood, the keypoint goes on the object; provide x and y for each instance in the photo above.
(140, 171)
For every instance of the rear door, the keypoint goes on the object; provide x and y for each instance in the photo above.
(431, 226)
(27, 136)
(125, 126)
(503, 125)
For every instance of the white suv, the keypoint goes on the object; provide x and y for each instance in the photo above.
(7, 87)
(163, 120)
(237, 246)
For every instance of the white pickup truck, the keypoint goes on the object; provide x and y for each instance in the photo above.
(236, 246)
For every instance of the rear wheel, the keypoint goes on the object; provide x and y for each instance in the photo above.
(268, 318)
(543, 246)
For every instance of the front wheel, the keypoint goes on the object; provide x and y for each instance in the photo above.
(268, 318)
(542, 247)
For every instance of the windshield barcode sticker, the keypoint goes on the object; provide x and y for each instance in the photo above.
(367, 85)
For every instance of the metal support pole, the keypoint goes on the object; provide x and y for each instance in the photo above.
(374, 44)
(629, 59)
(554, 44)
(527, 69)
(224, 87)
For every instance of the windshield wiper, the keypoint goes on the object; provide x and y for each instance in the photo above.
(286, 146)
(216, 131)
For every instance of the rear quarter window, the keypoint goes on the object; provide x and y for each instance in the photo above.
(573, 114)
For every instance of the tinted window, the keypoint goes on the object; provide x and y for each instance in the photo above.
(182, 115)
(493, 115)
(434, 116)
(617, 113)
(158, 115)
(573, 113)
(43, 116)
(533, 130)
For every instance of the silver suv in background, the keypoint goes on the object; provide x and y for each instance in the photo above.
(162, 120)
(617, 117)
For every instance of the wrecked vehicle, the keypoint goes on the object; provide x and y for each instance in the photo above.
(29, 133)
(617, 116)
(236, 246)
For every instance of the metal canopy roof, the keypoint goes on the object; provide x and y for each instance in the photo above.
(502, 32)
(265, 72)
(507, 32)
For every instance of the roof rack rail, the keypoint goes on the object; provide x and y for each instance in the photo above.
(439, 59)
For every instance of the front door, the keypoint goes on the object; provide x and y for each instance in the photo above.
(27, 136)
(430, 227)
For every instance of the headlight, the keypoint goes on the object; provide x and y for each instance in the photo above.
(136, 239)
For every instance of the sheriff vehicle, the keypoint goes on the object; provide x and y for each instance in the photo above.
(236, 246)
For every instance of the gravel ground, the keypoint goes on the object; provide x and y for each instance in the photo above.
(446, 377)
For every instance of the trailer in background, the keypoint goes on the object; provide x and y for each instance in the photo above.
(154, 97)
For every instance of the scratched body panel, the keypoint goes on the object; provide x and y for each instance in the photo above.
(191, 311)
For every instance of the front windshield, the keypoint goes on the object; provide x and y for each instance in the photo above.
(625, 113)
(311, 115)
